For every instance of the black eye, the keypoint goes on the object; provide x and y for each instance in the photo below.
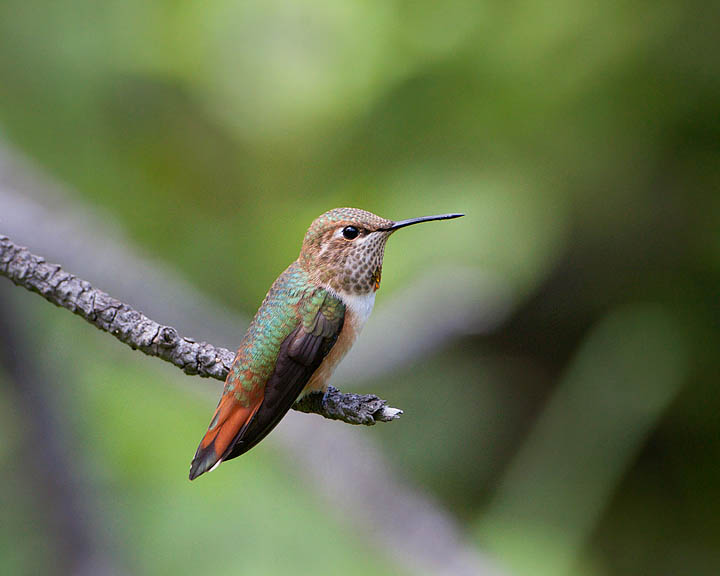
(350, 232)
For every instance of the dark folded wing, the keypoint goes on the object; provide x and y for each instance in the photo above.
(300, 355)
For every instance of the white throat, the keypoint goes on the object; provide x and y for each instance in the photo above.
(361, 306)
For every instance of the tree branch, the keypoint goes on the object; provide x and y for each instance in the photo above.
(141, 333)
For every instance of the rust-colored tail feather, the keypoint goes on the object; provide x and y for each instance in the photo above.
(229, 422)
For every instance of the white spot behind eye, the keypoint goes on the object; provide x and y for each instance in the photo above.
(323, 248)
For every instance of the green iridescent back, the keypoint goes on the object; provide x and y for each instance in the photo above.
(292, 299)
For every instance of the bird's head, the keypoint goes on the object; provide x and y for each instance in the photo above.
(344, 248)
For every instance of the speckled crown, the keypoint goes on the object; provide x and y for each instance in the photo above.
(347, 216)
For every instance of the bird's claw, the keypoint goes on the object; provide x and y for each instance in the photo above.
(324, 401)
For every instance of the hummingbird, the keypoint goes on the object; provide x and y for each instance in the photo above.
(306, 324)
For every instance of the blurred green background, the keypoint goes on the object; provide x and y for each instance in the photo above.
(578, 436)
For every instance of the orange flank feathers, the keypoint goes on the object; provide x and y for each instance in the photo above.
(229, 422)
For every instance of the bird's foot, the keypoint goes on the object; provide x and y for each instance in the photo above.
(325, 398)
(366, 409)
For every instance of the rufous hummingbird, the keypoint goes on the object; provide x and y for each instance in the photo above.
(304, 327)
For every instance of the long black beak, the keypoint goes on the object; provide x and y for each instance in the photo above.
(411, 221)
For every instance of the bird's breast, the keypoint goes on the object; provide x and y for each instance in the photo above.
(357, 311)
(361, 305)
